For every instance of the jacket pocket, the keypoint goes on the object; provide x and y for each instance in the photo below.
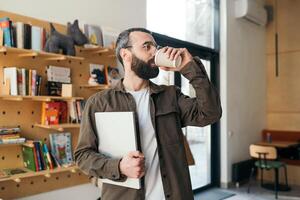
(168, 124)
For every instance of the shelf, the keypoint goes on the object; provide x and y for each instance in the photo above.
(23, 53)
(47, 173)
(58, 127)
(96, 87)
(91, 51)
(38, 98)
(13, 144)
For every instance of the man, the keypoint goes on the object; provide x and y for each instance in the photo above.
(161, 113)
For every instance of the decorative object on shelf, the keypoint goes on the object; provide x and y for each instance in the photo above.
(94, 34)
(74, 31)
(93, 80)
(100, 76)
(61, 148)
(67, 43)
(113, 75)
(97, 74)
(67, 90)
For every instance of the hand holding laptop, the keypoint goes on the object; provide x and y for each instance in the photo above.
(132, 165)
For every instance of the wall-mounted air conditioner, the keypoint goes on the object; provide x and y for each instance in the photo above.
(252, 10)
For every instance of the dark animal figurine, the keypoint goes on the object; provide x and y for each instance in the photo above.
(57, 41)
(100, 76)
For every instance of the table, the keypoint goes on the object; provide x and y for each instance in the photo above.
(278, 144)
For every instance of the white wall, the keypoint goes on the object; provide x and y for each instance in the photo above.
(243, 87)
(118, 14)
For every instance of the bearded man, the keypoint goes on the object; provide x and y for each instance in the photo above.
(161, 111)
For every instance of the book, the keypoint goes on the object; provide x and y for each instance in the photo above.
(63, 112)
(33, 82)
(28, 156)
(14, 171)
(1, 37)
(11, 74)
(47, 157)
(12, 140)
(58, 74)
(50, 113)
(39, 155)
(13, 33)
(110, 36)
(20, 81)
(36, 38)
(61, 147)
(10, 136)
(5, 26)
(38, 85)
(20, 34)
(72, 112)
(27, 36)
(54, 88)
(8, 130)
(94, 34)
(27, 81)
(23, 90)
(117, 141)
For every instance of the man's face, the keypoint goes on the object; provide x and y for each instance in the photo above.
(143, 48)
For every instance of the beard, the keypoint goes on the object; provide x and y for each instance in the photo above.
(143, 69)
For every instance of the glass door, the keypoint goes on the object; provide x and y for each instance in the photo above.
(199, 139)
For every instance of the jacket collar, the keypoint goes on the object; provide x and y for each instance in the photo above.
(153, 87)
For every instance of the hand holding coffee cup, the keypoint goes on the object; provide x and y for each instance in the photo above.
(172, 59)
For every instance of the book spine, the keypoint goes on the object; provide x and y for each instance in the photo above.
(48, 157)
(33, 82)
(20, 35)
(38, 155)
(4, 25)
(20, 81)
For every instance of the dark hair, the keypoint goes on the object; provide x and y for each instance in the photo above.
(123, 40)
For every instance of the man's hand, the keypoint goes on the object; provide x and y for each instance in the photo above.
(133, 165)
(173, 54)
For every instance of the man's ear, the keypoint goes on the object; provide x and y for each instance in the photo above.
(125, 55)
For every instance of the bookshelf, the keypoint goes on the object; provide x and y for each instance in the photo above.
(25, 111)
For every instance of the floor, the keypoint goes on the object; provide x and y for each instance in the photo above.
(258, 193)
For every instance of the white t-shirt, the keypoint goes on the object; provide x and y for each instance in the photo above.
(153, 183)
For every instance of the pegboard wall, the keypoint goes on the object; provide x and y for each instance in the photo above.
(26, 112)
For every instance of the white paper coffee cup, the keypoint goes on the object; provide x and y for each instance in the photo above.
(162, 60)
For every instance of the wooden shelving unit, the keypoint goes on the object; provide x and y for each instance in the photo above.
(25, 111)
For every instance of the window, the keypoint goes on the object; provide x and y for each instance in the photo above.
(192, 24)
(188, 20)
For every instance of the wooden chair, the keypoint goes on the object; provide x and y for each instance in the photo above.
(266, 160)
